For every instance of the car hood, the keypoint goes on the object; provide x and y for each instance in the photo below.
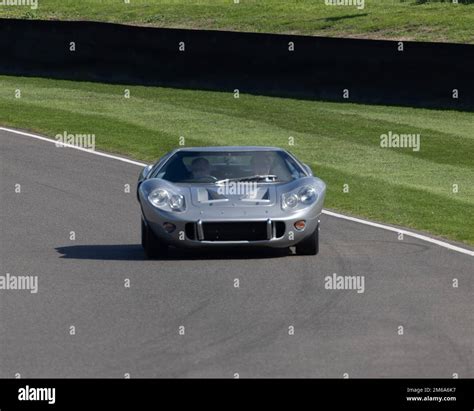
(234, 194)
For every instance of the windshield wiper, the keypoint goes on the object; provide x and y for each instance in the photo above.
(256, 177)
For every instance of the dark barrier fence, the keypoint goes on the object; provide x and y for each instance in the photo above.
(423, 74)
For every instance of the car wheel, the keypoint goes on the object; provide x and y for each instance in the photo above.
(151, 245)
(310, 245)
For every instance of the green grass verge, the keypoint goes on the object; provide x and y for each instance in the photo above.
(379, 19)
(341, 141)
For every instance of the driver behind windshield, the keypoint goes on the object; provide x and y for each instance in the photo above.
(200, 168)
(261, 164)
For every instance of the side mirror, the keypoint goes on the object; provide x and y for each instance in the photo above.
(308, 169)
(144, 174)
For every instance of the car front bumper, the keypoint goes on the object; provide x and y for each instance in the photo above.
(272, 228)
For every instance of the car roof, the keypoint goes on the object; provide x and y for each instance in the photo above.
(229, 148)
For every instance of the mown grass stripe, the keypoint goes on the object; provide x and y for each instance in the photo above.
(379, 19)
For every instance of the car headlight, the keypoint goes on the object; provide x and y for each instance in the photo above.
(163, 199)
(290, 200)
(159, 198)
(176, 202)
(306, 195)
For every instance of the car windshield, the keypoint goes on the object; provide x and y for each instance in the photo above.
(221, 166)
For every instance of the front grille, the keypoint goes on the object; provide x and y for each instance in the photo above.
(235, 231)
(279, 230)
(190, 230)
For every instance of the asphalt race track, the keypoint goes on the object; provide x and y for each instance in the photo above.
(227, 330)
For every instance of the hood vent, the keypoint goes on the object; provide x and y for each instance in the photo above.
(218, 194)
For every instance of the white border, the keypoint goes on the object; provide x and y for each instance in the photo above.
(330, 213)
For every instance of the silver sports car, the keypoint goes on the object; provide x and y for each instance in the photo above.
(229, 196)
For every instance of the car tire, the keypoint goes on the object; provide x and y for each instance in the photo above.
(310, 245)
(152, 246)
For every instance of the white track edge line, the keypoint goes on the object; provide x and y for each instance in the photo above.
(49, 140)
(402, 231)
(327, 212)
